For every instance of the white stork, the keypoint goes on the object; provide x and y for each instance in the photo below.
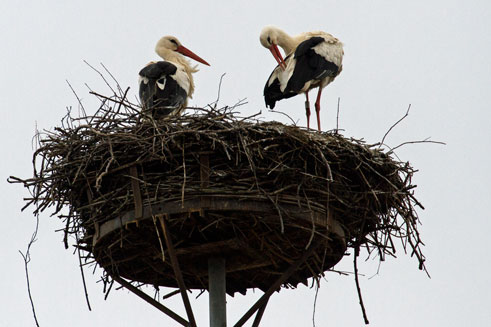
(165, 86)
(313, 59)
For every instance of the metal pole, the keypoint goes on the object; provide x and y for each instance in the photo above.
(216, 288)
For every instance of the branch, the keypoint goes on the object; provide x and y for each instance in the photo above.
(397, 122)
(115, 81)
(426, 140)
(102, 76)
(78, 99)
(27, 258)
(355, 259)
(82, 273)
(219, 89)
(281, 112)
(315, 303)
(337, 117)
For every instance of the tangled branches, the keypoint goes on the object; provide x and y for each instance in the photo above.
(90, 165)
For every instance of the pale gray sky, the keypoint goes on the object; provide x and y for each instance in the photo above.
(431, 54)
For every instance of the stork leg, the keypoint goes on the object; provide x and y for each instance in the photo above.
(318, 108)
(307, 109)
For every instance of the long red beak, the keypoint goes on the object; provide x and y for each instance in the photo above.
(185, 51)
(277, 55)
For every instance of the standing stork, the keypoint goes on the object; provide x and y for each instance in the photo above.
(313, 59)
(165, 86)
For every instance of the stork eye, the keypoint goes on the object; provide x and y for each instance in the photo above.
(173, 41)
(269, 39)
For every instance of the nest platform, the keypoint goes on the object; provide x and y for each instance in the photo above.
(246, 233)
(256, 193)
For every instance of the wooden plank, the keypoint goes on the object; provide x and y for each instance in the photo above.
(220, 204)
(135, 186)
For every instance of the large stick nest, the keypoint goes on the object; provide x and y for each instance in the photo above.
(85, 165)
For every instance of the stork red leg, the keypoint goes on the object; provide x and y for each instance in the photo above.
(307, 109)
(318, 108)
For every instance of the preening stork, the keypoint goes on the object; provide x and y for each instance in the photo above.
(165, 86)
(312, 59)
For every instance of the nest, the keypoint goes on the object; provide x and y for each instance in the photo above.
(258, 193)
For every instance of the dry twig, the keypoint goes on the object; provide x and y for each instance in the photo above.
(27, 258)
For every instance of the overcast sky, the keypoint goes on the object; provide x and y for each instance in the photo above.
(434, 55)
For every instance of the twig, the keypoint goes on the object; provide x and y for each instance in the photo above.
(108, 290)
(394, 125)
(355, 259)
(119, 101)
(426, 140)
(315, 303)
(337, 116)
(318, 285)
(27, 258)
(106, 170)
(102, 76)
(219, 89)
(312, 219)
(35, 142)
(78, 99)
(284, 114)
(115, 81)
(82, 274)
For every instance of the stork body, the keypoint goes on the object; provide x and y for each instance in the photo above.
(313, 59)
(160, 93)
(165, 86)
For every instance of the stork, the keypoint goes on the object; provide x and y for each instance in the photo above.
(313, 59)
(165, 86)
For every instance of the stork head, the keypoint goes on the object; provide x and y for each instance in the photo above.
(270, 38)
(171, 43)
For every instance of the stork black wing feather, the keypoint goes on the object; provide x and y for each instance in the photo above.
(309, 65)
(307, 45)
(272, 92)
(159, 93)
(157, 69)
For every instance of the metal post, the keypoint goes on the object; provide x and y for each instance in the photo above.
(216, 287)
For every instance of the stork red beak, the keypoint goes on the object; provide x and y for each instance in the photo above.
(186, 52)
(277, 55)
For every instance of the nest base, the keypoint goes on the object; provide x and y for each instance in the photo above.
(133, 246)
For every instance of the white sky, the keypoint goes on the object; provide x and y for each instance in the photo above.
(432, 54)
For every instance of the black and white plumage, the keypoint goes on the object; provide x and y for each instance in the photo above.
(165, 86)
(159, 91)
(314, 59)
